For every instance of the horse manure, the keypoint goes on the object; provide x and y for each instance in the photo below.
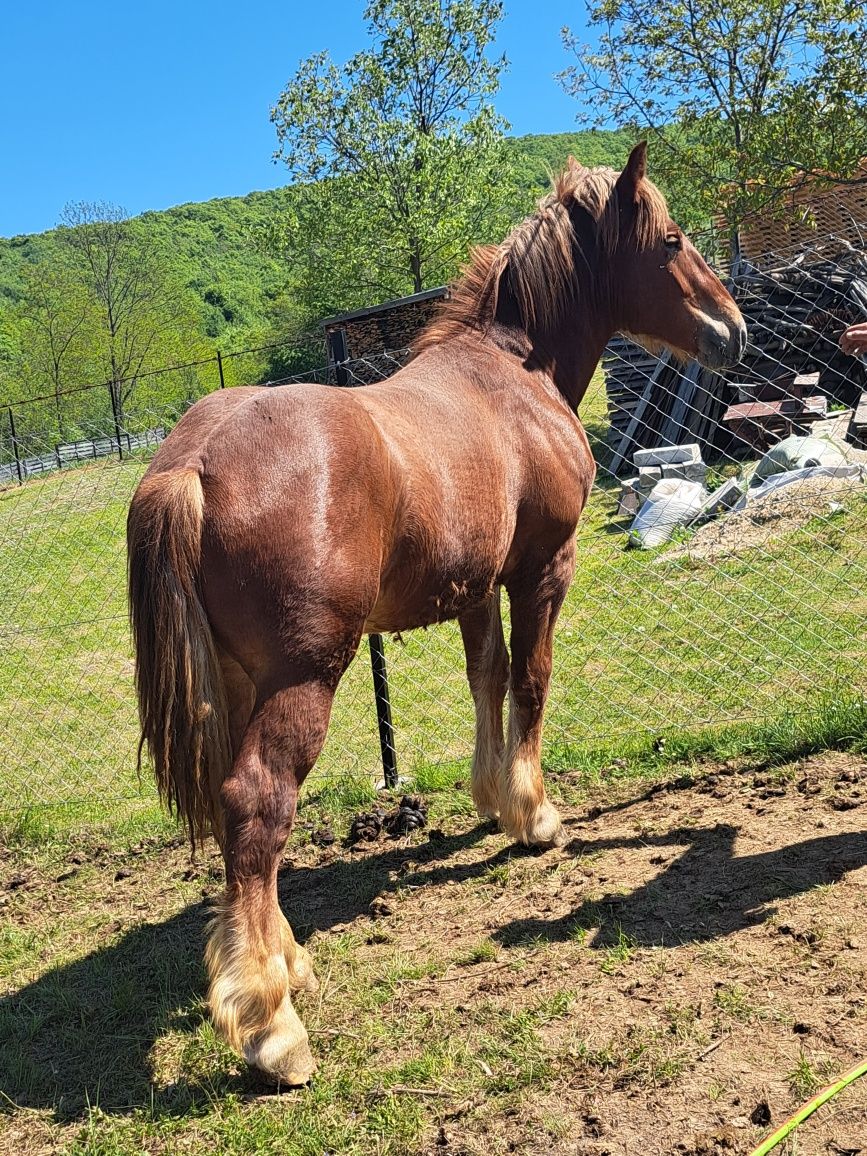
(761, 1114)
(409, 815)
(380, 908)
(366, 827)
(322, 836)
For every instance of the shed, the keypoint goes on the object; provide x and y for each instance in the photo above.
(365, 345)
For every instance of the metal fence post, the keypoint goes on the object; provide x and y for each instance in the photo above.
(383, 710)
(15, 447)
(114, 409)
(220, 368)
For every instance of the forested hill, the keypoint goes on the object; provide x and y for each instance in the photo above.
(212, 243)
(229, 291)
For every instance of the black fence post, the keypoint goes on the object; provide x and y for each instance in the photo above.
(337, 354)
(220, 368)
(114, 409)
(15, 447)
(383, 710)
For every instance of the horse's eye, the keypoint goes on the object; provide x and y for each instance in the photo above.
(673, 242)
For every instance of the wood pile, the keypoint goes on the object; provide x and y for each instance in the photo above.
(807, 210)
(795, 313)
(758, 425)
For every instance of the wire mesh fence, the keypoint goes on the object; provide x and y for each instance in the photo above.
(752, 606)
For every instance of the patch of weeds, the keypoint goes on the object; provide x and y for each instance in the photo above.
(836, 721)
(557, 1126)
(554, 1007)
(716, 1091)
(828, 530)
(400, 969)
(682, 534)
(600, 1059)
(338, 796)
(498, 874)
(512, 1048)
(682, 1020)
(803, 1079)
(481, 952)
(30, 827)
(17, 948)
(446, 1060)
(645, 1056)
(430, 777)
(338, 948)
(734, 1001)
(591, 917)
(618, 953)
(396, 1122)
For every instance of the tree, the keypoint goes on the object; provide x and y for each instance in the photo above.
(400, 151)
(744, 97)
(52, 332)
(135, 301)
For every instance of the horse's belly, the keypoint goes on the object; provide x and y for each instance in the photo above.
(408, 600)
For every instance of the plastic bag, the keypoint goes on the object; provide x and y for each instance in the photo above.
(671, 503)
(778, 481)
(798, 453)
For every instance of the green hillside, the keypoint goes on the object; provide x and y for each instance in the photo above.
(238, 295)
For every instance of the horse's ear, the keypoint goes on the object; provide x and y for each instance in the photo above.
(633, 174)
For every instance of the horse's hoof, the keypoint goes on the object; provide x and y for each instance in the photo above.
(282, 1049)
(545, 829)
(293, 1066)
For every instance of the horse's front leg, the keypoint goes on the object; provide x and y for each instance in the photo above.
(488, 676)
(536, 595)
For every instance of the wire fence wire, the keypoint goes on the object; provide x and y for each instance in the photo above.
(741, 615)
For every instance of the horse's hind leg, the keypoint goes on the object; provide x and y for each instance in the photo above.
(488, 676)
(525, 812)
(241, 700)
(253, 961)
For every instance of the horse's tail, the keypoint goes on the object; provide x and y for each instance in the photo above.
(181, 695)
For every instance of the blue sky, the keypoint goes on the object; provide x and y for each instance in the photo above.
(159, 102)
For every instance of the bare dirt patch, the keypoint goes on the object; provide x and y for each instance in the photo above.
(673, 982)
(762, 523)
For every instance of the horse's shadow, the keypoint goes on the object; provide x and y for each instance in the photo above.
(703, 893)
(84, 1033)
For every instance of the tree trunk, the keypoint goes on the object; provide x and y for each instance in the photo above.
(415, 267)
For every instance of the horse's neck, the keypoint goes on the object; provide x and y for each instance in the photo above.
(569, 359)
(569, 354)
(575, 363)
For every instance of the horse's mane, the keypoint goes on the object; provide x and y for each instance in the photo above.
(544, 257)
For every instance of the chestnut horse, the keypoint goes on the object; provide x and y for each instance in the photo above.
(275, 527)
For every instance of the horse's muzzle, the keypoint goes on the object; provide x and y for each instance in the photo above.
(722, 343)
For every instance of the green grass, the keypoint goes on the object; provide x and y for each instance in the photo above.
(765, 649)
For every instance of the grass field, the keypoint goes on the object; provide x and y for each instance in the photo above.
(645, 648)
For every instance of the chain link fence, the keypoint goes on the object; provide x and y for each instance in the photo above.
(752, 608)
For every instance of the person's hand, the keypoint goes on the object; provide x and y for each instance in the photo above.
(854, 340)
